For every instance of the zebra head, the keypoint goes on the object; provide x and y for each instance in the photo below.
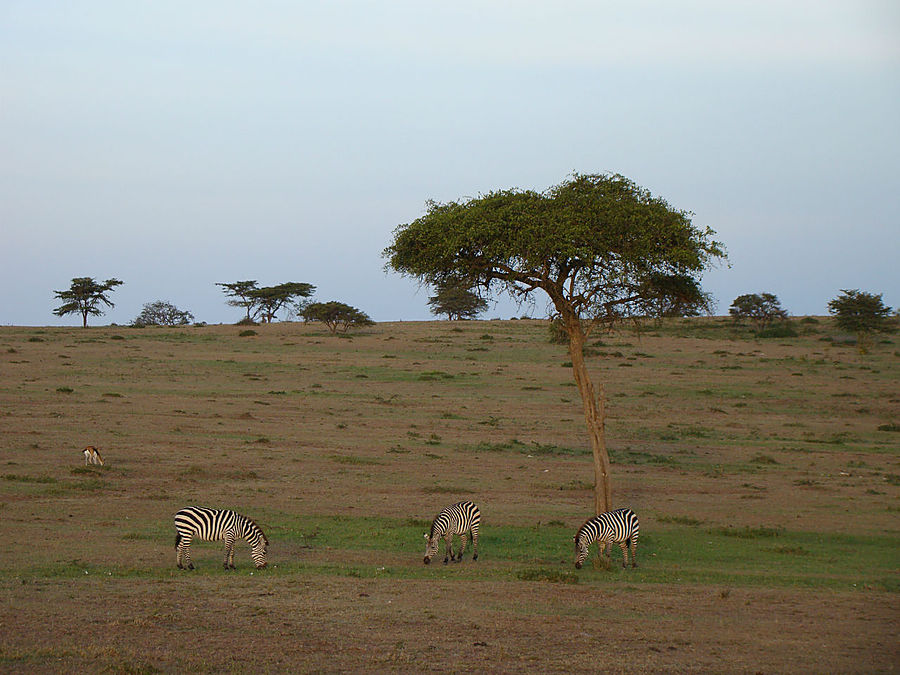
(259, 552)
(431, 547)
(582, 541)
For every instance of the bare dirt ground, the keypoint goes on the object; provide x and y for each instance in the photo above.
(708, 431)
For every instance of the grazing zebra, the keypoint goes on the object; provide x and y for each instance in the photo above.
(92, 456)
(213, 525)
(460, 519)
(614, 527)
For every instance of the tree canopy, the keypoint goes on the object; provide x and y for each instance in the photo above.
(600, 247)
(264, 302)
(85, 296)
(456, 299)
(337, 316)
(861, 313)
(162, 313)
(760, 308)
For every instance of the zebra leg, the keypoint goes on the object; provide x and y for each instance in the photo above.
(624, 546)
(448, 547)
(634, 552)
(465, 539)
(185, 553)
(229, 550)
(475, 544)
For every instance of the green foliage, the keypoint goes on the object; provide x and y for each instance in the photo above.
(761, 309)
(85, 296)
(599, 245)
(336, 316)
(780, 330)
(264, 302)
(861, 313)
(456, 299)
(162, 313)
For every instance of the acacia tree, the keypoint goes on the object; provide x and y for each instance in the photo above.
(239, 293)
(85, 296)
(336, 315)
(600, 247)
(456, 299)
(266, 301)
(861, 313)
(760, 308)
(162, 313)
(270, 299)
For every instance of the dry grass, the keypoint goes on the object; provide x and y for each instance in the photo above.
(764, 473)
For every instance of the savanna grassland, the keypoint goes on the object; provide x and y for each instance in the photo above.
(766, 473)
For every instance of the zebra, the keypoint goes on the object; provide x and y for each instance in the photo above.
(213, 525)
(92, 456)
(460, 518)
(613, 527)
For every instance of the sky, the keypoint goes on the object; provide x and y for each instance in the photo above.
(174, 145)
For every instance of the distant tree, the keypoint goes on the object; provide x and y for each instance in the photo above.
(161, 313)
(270, 299)
(672, 295)
(456, 299)
(239, 293)
(85, 296)
(336, 315)
(861, 313)
(266, 301)
(761, 309)
(599, 246)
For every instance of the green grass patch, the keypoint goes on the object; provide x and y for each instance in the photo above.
(534, 449)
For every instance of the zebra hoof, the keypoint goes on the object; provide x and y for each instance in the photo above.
(191, 566)
(445, 561)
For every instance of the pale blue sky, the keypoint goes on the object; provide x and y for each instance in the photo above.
(173, 145)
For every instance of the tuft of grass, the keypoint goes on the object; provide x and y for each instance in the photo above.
(247, 333)
(889, 427)
(551, 575)
(763, 459)
(28, 479)
(354, 459)
(748, 532)
(681, 520)
(435, 375)
(65, 390)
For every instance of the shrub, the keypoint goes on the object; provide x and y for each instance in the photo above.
(781, 330)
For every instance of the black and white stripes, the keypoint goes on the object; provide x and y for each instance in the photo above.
(460, 518)
(214, 525)
(614, 527)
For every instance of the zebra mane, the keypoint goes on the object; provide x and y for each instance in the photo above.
(253, 524)
(583, 527)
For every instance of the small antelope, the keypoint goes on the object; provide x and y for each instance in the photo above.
(92, 456)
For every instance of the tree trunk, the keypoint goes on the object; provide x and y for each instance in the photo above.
(84, 319)
(594, 417)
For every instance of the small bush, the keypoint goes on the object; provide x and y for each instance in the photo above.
(65, 390)
(889, 427)
(247, 333)
(246, 322)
